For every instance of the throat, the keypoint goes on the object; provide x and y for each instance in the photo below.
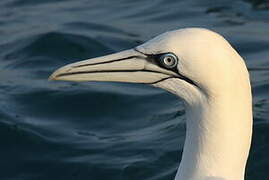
(219, 129)
(217, 140)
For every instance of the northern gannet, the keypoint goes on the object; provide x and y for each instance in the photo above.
(202, 68)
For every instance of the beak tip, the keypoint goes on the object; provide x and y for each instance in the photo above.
(57, 74)
(53, 76)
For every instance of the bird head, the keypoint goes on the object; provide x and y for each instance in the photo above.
(187, 62)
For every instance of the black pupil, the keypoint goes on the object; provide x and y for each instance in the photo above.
(169, 59)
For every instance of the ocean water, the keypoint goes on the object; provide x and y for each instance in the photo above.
(115, 131)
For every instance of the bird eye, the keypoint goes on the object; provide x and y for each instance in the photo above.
(168, 60)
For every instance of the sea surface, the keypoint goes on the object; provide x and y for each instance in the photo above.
(111, 131)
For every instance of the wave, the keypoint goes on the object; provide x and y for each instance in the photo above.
(53, 48)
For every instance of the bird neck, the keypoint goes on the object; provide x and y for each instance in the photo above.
(218, 137)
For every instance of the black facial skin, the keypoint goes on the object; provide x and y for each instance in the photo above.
(156, 59)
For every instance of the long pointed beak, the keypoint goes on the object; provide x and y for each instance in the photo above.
(126, 66)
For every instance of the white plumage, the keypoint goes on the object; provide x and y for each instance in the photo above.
(209, 76)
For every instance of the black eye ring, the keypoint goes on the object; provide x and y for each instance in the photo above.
(168, 60)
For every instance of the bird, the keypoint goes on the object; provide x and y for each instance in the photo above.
(202, 68)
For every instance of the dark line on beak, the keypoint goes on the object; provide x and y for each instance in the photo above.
(122, 59)
(180, 77)
(105, 71)
(187, 80)
(143, 53)
(136, 70)
(106, 62)
(159, 80)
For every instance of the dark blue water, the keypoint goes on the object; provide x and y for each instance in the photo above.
(97, 131)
